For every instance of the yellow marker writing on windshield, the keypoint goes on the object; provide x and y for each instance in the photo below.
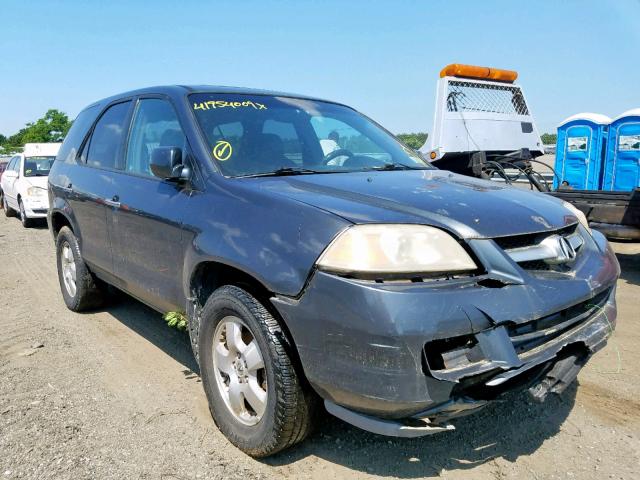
(222, 150)
(213, 104)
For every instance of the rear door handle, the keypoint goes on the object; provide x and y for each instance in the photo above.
(114, 202)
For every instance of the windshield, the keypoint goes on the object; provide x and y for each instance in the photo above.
(262, 135)
(37, 166)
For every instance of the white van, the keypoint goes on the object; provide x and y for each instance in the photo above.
(24, 182)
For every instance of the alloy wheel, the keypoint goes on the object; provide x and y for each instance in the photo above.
(68, 264)
(239, 370)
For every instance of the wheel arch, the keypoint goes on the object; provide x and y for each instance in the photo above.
(59, 220)
(209, 275)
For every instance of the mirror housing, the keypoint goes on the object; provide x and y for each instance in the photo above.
(166, 163)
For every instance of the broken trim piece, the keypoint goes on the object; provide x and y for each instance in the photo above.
(392, 428)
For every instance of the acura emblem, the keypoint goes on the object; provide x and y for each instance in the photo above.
(563, 251)
(568, 252)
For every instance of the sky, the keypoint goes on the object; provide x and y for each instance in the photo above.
(381, 57)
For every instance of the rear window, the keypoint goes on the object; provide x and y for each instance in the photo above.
(106, 140)
(72, 142)
(468, 96)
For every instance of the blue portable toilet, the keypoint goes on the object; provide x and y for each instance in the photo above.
(622, 166)
(580, 151)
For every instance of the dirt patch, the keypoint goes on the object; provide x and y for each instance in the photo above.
(612, 409)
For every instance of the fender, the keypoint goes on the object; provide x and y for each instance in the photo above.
(278, 249)
(60, 206)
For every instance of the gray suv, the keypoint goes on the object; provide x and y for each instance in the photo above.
(320, 261)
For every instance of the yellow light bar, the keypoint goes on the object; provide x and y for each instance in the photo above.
(484, 73)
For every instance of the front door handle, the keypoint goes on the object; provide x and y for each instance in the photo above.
(114, 202)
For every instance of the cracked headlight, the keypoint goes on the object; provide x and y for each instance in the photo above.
(395, 249)
(36, 192)
(579, 215)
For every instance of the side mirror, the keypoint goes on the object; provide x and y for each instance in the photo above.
(166, 163)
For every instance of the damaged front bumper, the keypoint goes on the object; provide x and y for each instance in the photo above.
(403, 358)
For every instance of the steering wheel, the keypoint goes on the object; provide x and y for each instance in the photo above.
(341, 152)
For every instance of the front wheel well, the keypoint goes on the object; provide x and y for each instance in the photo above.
(58, 220)
(209, 276)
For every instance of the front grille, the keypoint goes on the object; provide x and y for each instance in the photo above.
(520, 241)
(526, 336)
(531, 252)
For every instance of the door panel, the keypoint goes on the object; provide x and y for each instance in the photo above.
(147, 239)
(577, 165)
(86, 198)
(147, 225)
(9, 180)
(627, 160)
(92, 187)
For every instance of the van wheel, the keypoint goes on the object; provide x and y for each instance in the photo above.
(8, 211)
(81, 290)
(255, 396)
(26, 222)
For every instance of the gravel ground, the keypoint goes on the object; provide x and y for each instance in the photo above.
(113, 394)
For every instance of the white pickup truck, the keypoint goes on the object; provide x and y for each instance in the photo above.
(24, 182)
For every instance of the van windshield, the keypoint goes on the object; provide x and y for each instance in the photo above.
(37, 166)
(254, 135)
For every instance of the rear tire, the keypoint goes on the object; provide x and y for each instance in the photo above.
(8, 211)
(287, 414)
(81, 290)
(26, 222)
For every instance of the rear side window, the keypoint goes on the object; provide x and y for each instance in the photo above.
(106, 139)
(81, 125)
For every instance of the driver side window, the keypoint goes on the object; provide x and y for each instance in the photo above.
(155, 124)
(335, 135)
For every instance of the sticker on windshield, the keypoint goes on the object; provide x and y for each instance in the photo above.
(213, 104)
(27, 172)
(577, 144)
(222, 150)
(629, 143)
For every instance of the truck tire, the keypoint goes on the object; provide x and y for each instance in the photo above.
(255, 396)
(81, 290)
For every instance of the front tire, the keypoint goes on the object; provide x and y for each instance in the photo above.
(255, 396)
(26, 221)
(81, 290)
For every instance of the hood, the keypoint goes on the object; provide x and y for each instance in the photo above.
(470, 207)
(40, 182)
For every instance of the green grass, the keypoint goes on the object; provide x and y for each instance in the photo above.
(177, 320)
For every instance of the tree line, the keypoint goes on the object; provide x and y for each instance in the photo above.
(54, 125)
(51, 127)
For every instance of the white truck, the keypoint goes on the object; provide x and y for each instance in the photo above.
(481, 116)
(483, 127)
(23, 187)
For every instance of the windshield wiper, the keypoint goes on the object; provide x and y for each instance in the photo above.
(281, 172)
(396, 166)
